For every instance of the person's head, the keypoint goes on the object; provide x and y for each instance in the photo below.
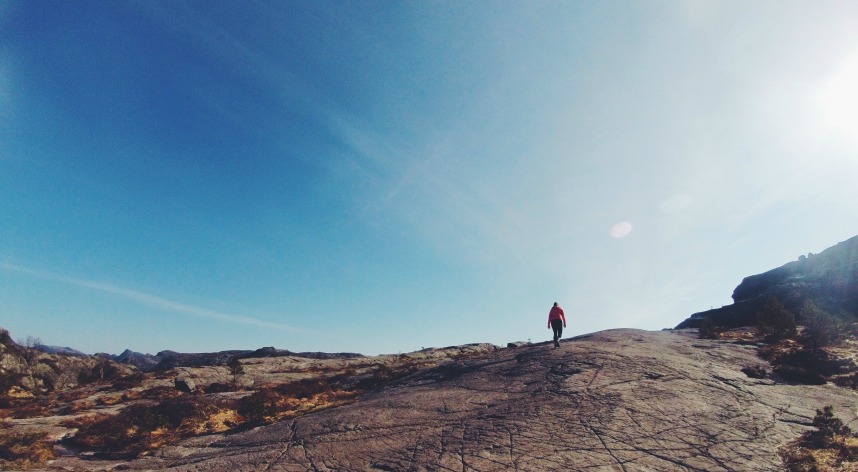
(555, 303)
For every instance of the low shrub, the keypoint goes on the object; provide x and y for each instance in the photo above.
(9, 380)
(304, 388)
(775, 321)
(23, 451)
(35, 407)
(831, 446)
(383, 375)
(754, 371)
(128, 381)
(848, 381)
(75, 407)
(274, 403)
(821, 329)
(139, 428)
(159, 393)
(84, 421)
(799, 375)
(16, 398)
(260, 407)
(218, 387)
(707, 329)
(800, 365)
(827, 427)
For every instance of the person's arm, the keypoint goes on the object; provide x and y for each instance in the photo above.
(563, 315)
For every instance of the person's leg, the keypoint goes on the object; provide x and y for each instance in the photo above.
(557, 326)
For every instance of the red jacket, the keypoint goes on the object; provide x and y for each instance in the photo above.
(556, 313)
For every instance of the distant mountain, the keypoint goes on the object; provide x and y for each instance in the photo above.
(62, 351)
(144, 362)
(166, 360)
(829, 279)
(273, 352)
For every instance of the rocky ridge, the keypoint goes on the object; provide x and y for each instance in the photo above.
(829, 279)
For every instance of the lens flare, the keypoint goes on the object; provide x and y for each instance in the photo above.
(621, 229)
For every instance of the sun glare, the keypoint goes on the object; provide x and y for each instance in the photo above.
(839, 99)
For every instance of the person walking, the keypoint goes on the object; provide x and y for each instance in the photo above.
(556, 321)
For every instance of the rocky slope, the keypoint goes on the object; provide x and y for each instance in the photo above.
(829, 279)
(614, 400)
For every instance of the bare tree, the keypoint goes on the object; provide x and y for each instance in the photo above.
(29, 349)
(236, 369)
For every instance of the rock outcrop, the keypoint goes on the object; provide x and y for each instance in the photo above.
(614, 400)
(829, 279)
(37, 369)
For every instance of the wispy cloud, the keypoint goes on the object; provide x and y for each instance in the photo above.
(147, 299)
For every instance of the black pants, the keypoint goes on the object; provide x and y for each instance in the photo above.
(557, 326)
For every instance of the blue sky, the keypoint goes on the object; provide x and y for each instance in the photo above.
(379, 177)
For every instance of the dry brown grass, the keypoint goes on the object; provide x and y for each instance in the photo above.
(276, 403)
(740, 334)
(84, 420)
(24, 451)
(220, 421)
(36, 408)
(139, 429)
(159, 393)
(110, 400)
(840, 455)
(129, 395)
(831, 446)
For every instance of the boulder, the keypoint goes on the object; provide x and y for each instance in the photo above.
(184, 384)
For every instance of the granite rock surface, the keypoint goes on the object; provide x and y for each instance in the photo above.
(619, 400)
